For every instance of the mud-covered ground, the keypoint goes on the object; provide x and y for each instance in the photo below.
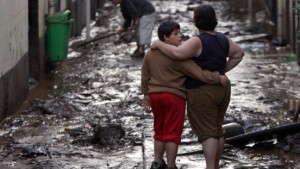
(87, 113)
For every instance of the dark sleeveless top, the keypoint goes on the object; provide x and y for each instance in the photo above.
(213, 57)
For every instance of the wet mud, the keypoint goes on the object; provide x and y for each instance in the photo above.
(88, 114)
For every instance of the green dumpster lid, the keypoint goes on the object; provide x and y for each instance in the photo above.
(60, 16)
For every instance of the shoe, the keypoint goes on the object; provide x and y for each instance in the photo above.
(137, 54)
(156, 165)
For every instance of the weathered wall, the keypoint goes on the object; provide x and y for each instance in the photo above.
(13, 34)
(14, 65)
(23, 42)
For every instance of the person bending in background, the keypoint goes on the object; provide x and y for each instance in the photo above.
(162, 83)
(139, 15)
(207, 103)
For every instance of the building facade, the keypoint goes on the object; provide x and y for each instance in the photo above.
(14, 62)
(23, 51)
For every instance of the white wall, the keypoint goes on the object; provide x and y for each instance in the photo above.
(13, 33)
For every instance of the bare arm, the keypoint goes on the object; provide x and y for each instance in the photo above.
(235, 55)
(190, 48)
(190, 68)
(133, 23)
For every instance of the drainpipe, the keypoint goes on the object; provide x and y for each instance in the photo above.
(296, 10)
(250, 9)
(279, 18)
(78, 17)
(88, 18)
(292, 28)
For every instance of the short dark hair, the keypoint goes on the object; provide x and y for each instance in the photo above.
(166, 28)
(205, 18)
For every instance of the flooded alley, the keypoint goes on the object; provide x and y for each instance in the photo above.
(88, 114)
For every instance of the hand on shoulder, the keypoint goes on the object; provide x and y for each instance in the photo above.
(155, 44)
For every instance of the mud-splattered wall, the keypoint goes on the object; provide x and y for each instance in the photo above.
(23, 53)
(13, 34)
(13, 55)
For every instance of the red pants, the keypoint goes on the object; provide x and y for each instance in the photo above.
(168, 111)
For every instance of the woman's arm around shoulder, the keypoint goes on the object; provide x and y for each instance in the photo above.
(188, 49)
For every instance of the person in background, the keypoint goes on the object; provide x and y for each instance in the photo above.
(207, 103)
(162, 83)
(139, 15)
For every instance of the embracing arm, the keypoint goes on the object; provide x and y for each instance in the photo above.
(190, 68)
(190, 48)
(235, 55)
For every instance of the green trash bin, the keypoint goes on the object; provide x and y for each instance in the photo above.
(58, 32)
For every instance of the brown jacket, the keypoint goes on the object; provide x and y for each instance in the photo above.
(162, 74)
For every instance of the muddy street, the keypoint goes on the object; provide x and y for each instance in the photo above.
(87, 113)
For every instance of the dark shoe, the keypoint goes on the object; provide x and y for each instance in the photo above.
(156, 165)
(137, 54)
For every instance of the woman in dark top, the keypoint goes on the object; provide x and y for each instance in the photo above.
(207, 103)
